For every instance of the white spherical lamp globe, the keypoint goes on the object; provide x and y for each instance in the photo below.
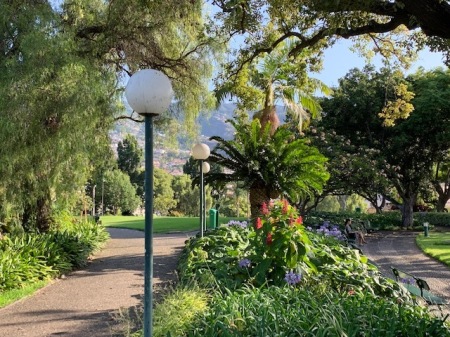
(149, 92)
(205, 167)
(200, 151)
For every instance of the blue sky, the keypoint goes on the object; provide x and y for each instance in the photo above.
(338, 60)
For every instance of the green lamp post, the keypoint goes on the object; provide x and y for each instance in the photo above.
(201, 152)
(149, 93)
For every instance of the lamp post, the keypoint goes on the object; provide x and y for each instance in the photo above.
(149, 93)
(201, 152)
(205, 169)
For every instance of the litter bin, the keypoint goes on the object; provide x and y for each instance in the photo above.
(213, 218)
(425, 228)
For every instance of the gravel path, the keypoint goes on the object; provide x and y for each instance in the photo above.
(85, 302)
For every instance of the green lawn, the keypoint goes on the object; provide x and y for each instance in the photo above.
(10, 296)
(160, 224)
(437, 245)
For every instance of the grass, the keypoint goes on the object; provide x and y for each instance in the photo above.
(160, 224)
(10, 296)
(437, 245)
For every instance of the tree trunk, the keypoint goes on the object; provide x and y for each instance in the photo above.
(443, 196)
(269, 114)
(441, 202)
(342, 199)
(43, 215)
(257, 197)
(407, 211)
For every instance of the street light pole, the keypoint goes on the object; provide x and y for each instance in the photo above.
(205, 169)
(201, 152)
(149, 93)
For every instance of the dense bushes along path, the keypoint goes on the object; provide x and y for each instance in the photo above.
(84, 303)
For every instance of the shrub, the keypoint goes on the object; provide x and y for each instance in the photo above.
(235, 255)
(291, 311)
(383, 221)
(29, 257)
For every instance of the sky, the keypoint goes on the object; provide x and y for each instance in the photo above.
(338, 60)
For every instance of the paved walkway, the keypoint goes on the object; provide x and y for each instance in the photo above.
(85, 302)
(399, 249)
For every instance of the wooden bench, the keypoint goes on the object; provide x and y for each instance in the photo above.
(417, 286)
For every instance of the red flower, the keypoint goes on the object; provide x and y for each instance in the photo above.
(264, 209)
(291, 221)
(269, 239)
(285, 206)
(258, 224)
(299, 220)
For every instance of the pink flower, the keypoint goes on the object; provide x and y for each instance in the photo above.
(269, 238)
(258, 224)
(264, 209)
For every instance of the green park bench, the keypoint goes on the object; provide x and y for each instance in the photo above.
(417, 286)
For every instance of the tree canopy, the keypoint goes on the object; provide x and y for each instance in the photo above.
(404, 153)
(393, 28)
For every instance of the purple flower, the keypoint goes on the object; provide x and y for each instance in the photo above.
(245, 263)
(292, 278)
(241, 224)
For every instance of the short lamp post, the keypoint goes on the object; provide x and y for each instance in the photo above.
(201, 152)
(205, 169)
(149, 93)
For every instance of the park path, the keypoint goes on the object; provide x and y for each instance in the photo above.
(85, 302)
(399, 249)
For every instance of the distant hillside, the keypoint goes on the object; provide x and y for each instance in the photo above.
(173, 160)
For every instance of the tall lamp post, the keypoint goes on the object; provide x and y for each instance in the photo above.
(201, 152)
(149, 93)
(205, 169)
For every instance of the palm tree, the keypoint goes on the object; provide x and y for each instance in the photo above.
(277, 77)
(268, 165)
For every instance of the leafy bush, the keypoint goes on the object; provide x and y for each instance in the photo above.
(235, 255)
(291, 311)
(383, 221)
(29, 257)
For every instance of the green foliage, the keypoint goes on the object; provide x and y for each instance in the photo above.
(213, 259)
(237, 255)
(129, 160)
(30, 257)
(55, 103)
(186, 196)
(288, 311)
(279, 244)
(403, 154)
(383, 221)
(179, 310)
(119, 193)
(271, 165)
(163, 192)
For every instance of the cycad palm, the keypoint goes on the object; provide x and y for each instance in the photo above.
(269, 166)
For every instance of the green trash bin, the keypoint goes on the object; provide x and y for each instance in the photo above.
(213, 218)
